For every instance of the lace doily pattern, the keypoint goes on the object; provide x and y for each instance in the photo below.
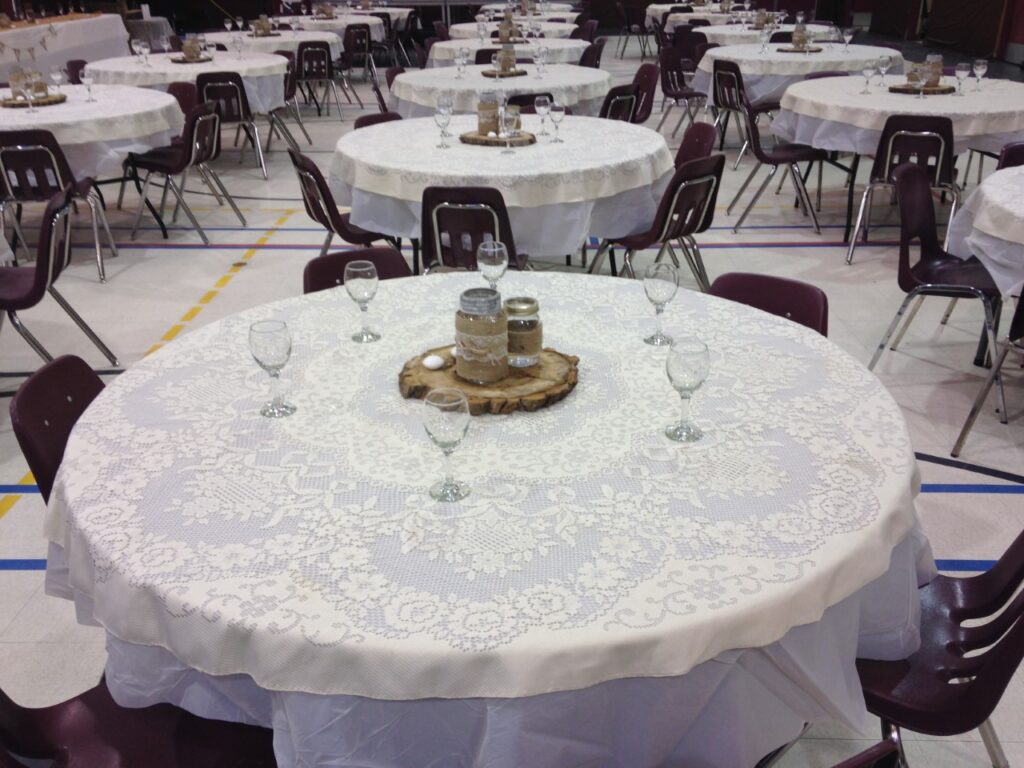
(836, 57)
(590, 548)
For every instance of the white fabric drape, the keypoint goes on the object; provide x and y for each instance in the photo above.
(560, 50)
(98, 37)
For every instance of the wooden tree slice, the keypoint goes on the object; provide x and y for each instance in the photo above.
(929, 90)
(521, 139)
(525, 389)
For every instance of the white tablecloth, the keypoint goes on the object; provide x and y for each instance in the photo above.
(741, 34)
(284, 41)
(302, 562)
(768, 75)
(606, 179)
(337, 25)
(582, 89)
(990, 225)
(560, 50)
(96, 137)
(832, 113)
(711, 12)
(553, 7)
(556, 16)
(150, 30)
(262, 74)
(43, 45)
(398, 16)
(547, 28)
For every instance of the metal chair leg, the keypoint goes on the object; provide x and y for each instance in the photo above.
(742, 189)
(627, 264)
(821, 169)
(782, 180)
(679, 123)
(187, 210)
(949, 311)
(889, 331)
(598, 262)
(327, 243)
(755, 198)
(773, 758)
(664, 113)
(954, 192)
(205, 178)
(976, 407)
(254, 135)
(910, 318)
(85, 328)
(805, 198)
(293, 105)
(32, 341)
(212, 174)
(182, 187)
(698, 260)
(100, 267)
(142, 203)
(967, 170)
(992, 745)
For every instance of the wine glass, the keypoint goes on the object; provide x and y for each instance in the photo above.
(492, 261)
(557, 113)
(361, 284)
(238, 44)
(30, 90)
(136, 47)
(687, 367)
(868, 71)
(87, 80)
(239, 23)
(542, 105)
(446, 421)
(660, 284)
(481, 31)
(228, 24)
(165, 43)
(980, 68)
(800, 17)
(494, 63)
(144, 52)
(765, 37)
(58, 76)
(461, 59)
(507, 118)
(847, 37)
(270, 343)
(443, 116)
(884, 65)
(963, 71)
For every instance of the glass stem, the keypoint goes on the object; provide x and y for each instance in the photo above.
(275, 387)
(364, 310)
(449, 474)
(684, 410)
(658, 310)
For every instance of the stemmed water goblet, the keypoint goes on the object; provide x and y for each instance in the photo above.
(687, 367)
(461, 59)
(239, 44)
(980, 68)
(446, 421)
(144, 52)
(884, 65)
(270, 343)
(87, 79)
(443, 116)
(962, 72)
(507, 124)
(765, 37)
(136, 47)
(800, 17)
(868, 71)
(228, 24)
(492, 261)
(31, 83)
(240, 23)
(540, 58)
(847, 37)
(361, 285)
(557, 113)
(481, 31)
(660, 284)
(58, 76)
(165, 44)
(494, 63)
(542, 105)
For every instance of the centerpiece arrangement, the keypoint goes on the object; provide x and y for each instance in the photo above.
(29, 89)
(801, 41)
(192, 52)
(262, 27)
(925, 79)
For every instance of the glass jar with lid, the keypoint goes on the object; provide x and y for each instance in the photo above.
(481, 337)
(525, 331)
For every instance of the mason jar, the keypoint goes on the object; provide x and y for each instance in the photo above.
(481, 337)
(525, 331)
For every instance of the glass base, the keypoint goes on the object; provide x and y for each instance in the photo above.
(684, 433)
(658, 339)
(277, 409)
(453, 491)
(365, 336)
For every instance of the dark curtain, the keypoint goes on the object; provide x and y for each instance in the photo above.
(889, 17)
(972, 27)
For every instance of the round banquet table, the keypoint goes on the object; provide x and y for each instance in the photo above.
(604, 596)
(560, 50)
(547, 28)
(552, 7)
(741, 34)
(414, 93)
(990, 225)
(262, 74)
(766, 76)
(549, 16)
(97, 136)
(337, 25)
(397, 15)
(605, 180)
(282, 41)
(832, 113)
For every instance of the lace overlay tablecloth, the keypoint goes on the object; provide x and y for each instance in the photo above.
(97, 136)
(262, 74)
(547, 28)
(741, 34)
(306, 553)
(284, 41)
(414, 93)
(53, 41)
(337, 25)
(990, 225)
(560, 50)
(833, 114)
(397, 15)
(553, 7)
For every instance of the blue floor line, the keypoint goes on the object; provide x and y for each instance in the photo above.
(975, 566)
(22, 565)
(970, 488)
(15, 488)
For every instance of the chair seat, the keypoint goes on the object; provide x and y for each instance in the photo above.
(358, 235)
(637, 241)
(16, 288)
(170, 160)
(784, 154)
(951, 271)
(684, 93)
(763, 107)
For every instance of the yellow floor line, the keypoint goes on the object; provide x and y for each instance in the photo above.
(11, 499)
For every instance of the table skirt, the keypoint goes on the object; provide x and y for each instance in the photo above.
(1003, 259)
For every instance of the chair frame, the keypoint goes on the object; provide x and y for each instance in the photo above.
(247, 122)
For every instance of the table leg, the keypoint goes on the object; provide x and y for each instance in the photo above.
(849, 197)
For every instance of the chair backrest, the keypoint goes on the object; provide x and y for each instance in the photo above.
(826, 73)
(186, 94)
(227, 91)
(674, 67)
(483, 55)
(800, 302)
(364, 121)
(698, 141)
(700, 23)
(917, 220)
(456, 220)
(74, 68)
(727, 83)
(33, 166)
(420, 52)
(590, 28)
(885, 754)
(316, 195)
(328, 271)
(385, 19)
(620, 102)
(202, 134)
(313, 61)
(688, 204)
(781, 37)
(52, 254)
(591, 56)
(441, 30)
(581, 19)
(45, 409)
(290, 83)
(174, 44)
(688, 41)
(1011, 156)
(527, 99)
(646, 82)
(355, 42)
(391, 73)
(926, 140)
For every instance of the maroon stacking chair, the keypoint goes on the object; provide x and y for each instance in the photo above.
(34, 169)
(290, 106)
(578, 33)
(781, 37)
(526, 100)
(1014, 343)
(788, 155)
(687, 207)
(186, 94)
(328, 271)
(731, 100)
(800, 302)
(365, 121)
(700, 23)
(422, 52)
(936, 273)
(25, 287)
(634, 24)
(407, 34)
(226, 90)
(885, 754)
(698, 141)
(92, 730)
(1011, 156)
(389, 46)
(355, 42)
(620, 102)
(456, 220)
(441, 31)
(954, 681)
(923, 139)
(74, 68)
(589, 28)
(320, 207)
(45, 409)
(314, 68)
(646, 82)
(199, 145)
(382, 105)
(581, 19)
(391, 73)
(689, 42)
(674, 69)
(591, 56)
